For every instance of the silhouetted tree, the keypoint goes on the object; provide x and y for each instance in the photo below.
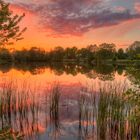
(70, 53)
(9, 28)
(20, 56)
(121, 54)
(133, 50)
(106, 51)
(57, 54)
(5, 55)
(85, 54)
(92, 48)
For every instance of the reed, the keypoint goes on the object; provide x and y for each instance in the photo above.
(19, 108)
(54, 108)
(105, 115)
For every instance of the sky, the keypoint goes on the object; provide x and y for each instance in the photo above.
(78, 23)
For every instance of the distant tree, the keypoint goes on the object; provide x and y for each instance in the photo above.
(106, 51)
(21, 56)
(32, 55)
(133, 50)
(92, 48)
(5, 54)
(85, 54)
(36, 54)
(70, 53)
(121, 54)
(9, 25)
(57, 54)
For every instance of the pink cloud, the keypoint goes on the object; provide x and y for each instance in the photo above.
(120, 9)
(75, 17)
(137, 7)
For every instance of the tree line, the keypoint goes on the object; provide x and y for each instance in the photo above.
(91, 53)
(11, 32)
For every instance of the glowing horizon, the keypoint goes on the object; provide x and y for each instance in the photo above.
(77, 23)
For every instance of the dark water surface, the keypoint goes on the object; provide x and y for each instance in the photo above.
(70, 102)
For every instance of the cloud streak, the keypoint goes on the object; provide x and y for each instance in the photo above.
(137, 7)
(75, 17)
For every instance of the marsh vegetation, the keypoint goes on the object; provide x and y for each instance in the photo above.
(106, 109)
(90, 93)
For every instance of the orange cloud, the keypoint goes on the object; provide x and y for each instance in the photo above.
(124, 32)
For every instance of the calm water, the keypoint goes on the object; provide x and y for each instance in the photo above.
(69, 102)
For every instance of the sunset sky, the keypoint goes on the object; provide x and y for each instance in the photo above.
(78, 23)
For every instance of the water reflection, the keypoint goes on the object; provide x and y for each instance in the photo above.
(54, 102)
(105, 72)
(104, 116)
(19, 110)
(70, 112)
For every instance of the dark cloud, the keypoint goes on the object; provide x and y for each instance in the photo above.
(76, 17)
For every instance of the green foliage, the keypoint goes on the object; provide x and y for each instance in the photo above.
(9, 28)
(91, 54)
(133, 74)
(5, 55)
(70, 53)
(85, 54)
(20, 56)
(106, 51)
(133, 50)
(110, 110)
(8, 134)
(32, 55)
(57, 54)
(133, 97)
(121, 54)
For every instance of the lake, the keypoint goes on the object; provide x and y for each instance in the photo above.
(69, 102)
